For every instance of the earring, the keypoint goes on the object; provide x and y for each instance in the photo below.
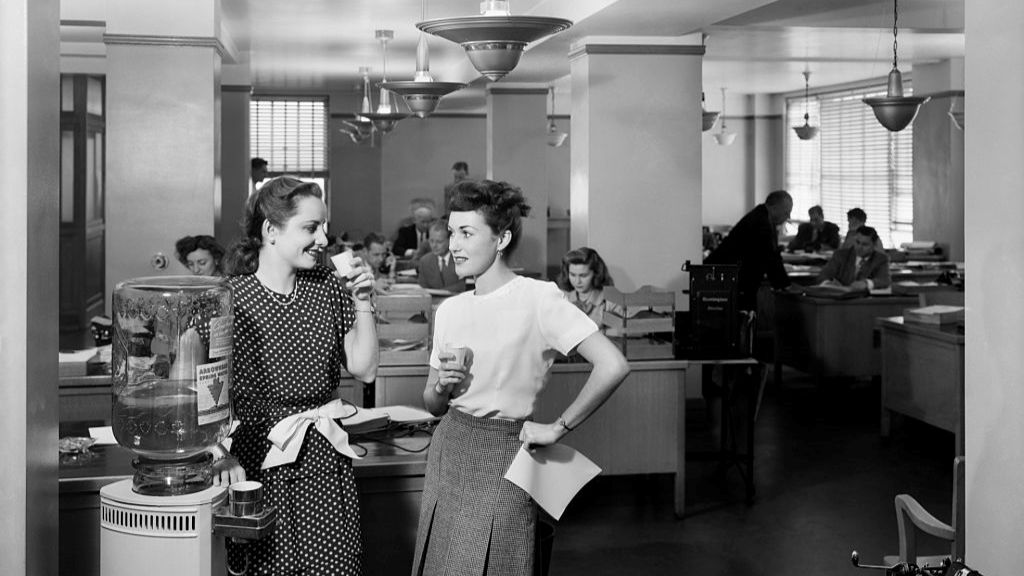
(273, 241)
(499, 254)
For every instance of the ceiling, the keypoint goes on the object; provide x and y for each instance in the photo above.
(753, 46)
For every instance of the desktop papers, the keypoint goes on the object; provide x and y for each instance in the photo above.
(552, 475)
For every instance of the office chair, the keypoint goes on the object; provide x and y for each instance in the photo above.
(911, 517)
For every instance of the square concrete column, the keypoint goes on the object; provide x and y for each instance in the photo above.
(163, 130)
(516, 148)
(635, 192)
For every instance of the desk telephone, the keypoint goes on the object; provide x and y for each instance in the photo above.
(948, 567)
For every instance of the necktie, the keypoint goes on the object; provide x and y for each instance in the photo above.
(442, 261)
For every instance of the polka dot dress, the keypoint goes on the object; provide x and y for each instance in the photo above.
(287, 358)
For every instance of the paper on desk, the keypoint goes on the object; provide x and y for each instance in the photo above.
(102, 434)
(552, 475)
(407, 414)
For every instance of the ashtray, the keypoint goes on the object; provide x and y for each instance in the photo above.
(75, 444)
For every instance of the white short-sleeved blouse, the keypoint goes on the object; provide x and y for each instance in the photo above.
(513, 334)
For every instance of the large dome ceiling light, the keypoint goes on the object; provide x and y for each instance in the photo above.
(494, 40)
(895, 111)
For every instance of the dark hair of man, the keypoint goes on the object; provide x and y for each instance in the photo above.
(501, 204)
(869, 232)
(189, 244)
(777, 197)
(857, 214)
(257, 163)
(592, 260)
(460, 165)
(275, 202)
(815, 210)
(374, 238)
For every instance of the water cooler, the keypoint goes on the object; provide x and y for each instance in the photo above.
(171, 370)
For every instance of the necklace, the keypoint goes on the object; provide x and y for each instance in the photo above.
(282, 299)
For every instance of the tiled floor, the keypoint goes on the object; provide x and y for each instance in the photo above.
(825, 486)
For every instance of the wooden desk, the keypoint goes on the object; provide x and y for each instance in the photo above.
(829, 337)
(923, 375)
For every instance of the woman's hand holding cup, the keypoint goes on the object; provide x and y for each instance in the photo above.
(357, 275)
(453, 368)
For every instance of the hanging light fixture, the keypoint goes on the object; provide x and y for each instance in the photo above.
(724, 138)
(423, 93)
(956, 112)
(806, 132)
(387, 114)
(895, 111)
(495, 39)
(360, 128)
(555, 137)
(707, 120)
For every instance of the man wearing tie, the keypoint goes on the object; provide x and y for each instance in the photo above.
(437, 269)
(411, 241)
(861, 267)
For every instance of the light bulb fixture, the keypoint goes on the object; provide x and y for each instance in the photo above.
(806, 132)
(387, 114)
(422, 94)
(555, 137)
(708, 119)
(494, 40)
(895, 111)
(724, 138)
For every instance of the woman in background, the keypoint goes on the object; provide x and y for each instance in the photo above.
(202, 255)
(296, 326)
(583, 278)
(472, 520)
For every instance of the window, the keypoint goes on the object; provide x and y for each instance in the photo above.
(853, 162)
(290, 133)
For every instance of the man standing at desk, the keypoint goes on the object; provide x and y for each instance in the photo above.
(861, 267)
(753, 244)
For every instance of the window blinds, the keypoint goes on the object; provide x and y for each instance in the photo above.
(290, 133)
(853, 162)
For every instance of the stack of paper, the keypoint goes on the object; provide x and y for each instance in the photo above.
(938, 314)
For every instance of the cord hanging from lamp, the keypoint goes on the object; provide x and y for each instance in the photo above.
(387, 114)
(895, 111)
(494, 41)
(724, 138)
(806, 132)
(423, 93)
(555, 137)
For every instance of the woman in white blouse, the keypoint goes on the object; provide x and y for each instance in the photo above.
(472, 520)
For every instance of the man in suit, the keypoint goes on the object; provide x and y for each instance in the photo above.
(861, 267)
(816, 235)
(460, 171)
(753, 244)
(437, 269)
(855, 218)
(411, 241)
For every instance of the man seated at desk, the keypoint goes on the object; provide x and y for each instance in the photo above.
(861, 267)
(816, 235)
(411, 240)
(437, 269)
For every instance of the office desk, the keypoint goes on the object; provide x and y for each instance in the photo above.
(827, 337)
(923, 375)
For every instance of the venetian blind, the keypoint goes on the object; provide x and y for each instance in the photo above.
(855, 162)
(290, 133)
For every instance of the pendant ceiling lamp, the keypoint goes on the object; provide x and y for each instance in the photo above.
(555, 137)
(495, 39)
(387, 114)
(360, 128)
(806, 132)
(724, 138)
(895, 111)
(422, 94)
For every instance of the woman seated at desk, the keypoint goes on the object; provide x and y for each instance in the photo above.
(858, 268)
(583, 278)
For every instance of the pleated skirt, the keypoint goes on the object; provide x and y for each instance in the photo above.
(473, 522)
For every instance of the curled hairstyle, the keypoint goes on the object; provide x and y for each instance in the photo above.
(593, 261)
(501, 204)
(275, 202)
(189, 244)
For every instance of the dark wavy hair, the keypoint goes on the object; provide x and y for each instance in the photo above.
(501, 204)
(189, 244)
(275, 202)
(593, 260)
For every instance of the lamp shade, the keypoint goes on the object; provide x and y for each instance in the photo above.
(707, 120)
(894, 110)
(422, 97)
(494, 43)
(555, 137)
(725, 138)
(806, 132)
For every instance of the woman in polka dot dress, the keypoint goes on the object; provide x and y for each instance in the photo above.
(296, 326)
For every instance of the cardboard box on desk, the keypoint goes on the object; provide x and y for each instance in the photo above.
(938, 314)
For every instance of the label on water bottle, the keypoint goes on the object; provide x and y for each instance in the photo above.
(220, 336)
(213, 381)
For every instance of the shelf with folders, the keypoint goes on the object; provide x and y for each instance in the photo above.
(404, 327)
(646, 327)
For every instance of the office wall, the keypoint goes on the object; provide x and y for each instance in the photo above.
(939, 159)
(355, 183)
(993, 209)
